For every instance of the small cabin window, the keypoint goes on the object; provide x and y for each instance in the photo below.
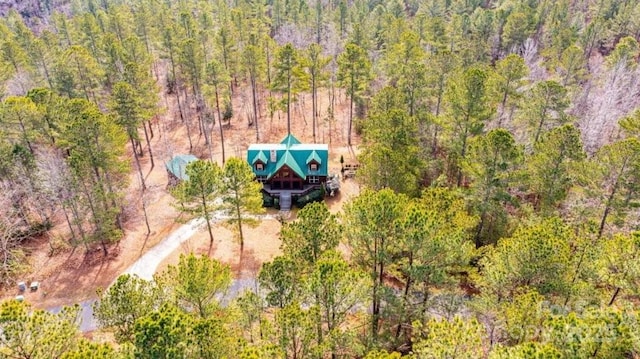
(313, 166)
(314, 179)
(261, 179)
(259, 166)
(285, 174)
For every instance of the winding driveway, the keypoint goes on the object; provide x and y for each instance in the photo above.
(145, 267)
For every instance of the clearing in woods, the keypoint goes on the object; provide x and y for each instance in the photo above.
(68, 275)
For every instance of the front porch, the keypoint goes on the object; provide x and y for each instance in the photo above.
(277, 191)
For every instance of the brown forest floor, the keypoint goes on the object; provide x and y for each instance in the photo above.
(69, 276)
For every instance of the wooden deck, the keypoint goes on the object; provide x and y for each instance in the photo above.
(277, 192)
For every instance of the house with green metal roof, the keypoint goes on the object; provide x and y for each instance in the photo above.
(289, 168)
(176, 168)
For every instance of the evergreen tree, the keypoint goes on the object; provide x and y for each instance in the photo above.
(390, 157)
(197, 194)
(371, 231)
(241, 195)
(195, 284)
(290, 77)
(123, 303)
(127, 108)
(544, 107)
(468, 109)
(490, 166)
(354, 74)
(95, 146)
(612, 179)
(551, 170)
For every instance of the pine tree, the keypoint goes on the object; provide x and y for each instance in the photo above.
(551, 169)
(354, 74)
(492, 161)
(390, 156)
(469, 110)
(241, 195)
(218, 78)
(254, 64)
(290, 77)
(197, 194)
(95, 146)
(544, 107)
(126, 106)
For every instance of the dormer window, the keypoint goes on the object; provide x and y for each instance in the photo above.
(313, 166)
(259, 166)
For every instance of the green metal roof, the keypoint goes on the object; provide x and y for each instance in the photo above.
(292, 153)
(178, 165)
(290, 162)
(314, 157)
(259, 157)
(290, 140)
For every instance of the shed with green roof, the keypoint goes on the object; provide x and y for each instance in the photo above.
(176, 168)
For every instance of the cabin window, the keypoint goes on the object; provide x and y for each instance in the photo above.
(285, 174)
(261, 179)
(259, 166)
(314, 179)
(313, 166)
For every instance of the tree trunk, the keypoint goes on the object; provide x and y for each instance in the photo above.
(146, 135)
(314, 105)
(351, 110)
(146, 217)
(463, 153)
(220, 123)
(176, 86)
(24, 134)
(96, 222)
(208, 134)
(135, 156)
(186, 122)
(75, 212)
(378, 299)
(575, 275)
(503, 103)
(239, 216)
(374, 298)
(615, 295)
(151, 131)
(206, 217)
(607, 209)
(74, 240)
(289, 106)
(405, 295)
(255, 106)
(105, 251)
(46, 71)
(350, 120)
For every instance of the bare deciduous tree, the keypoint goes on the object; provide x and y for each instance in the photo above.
(611, 95)
(12, 230)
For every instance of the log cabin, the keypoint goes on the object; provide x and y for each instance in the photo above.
(289, 169)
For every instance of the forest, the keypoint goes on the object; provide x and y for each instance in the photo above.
(499, 152)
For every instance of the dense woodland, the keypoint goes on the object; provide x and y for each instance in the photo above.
(500, 162)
